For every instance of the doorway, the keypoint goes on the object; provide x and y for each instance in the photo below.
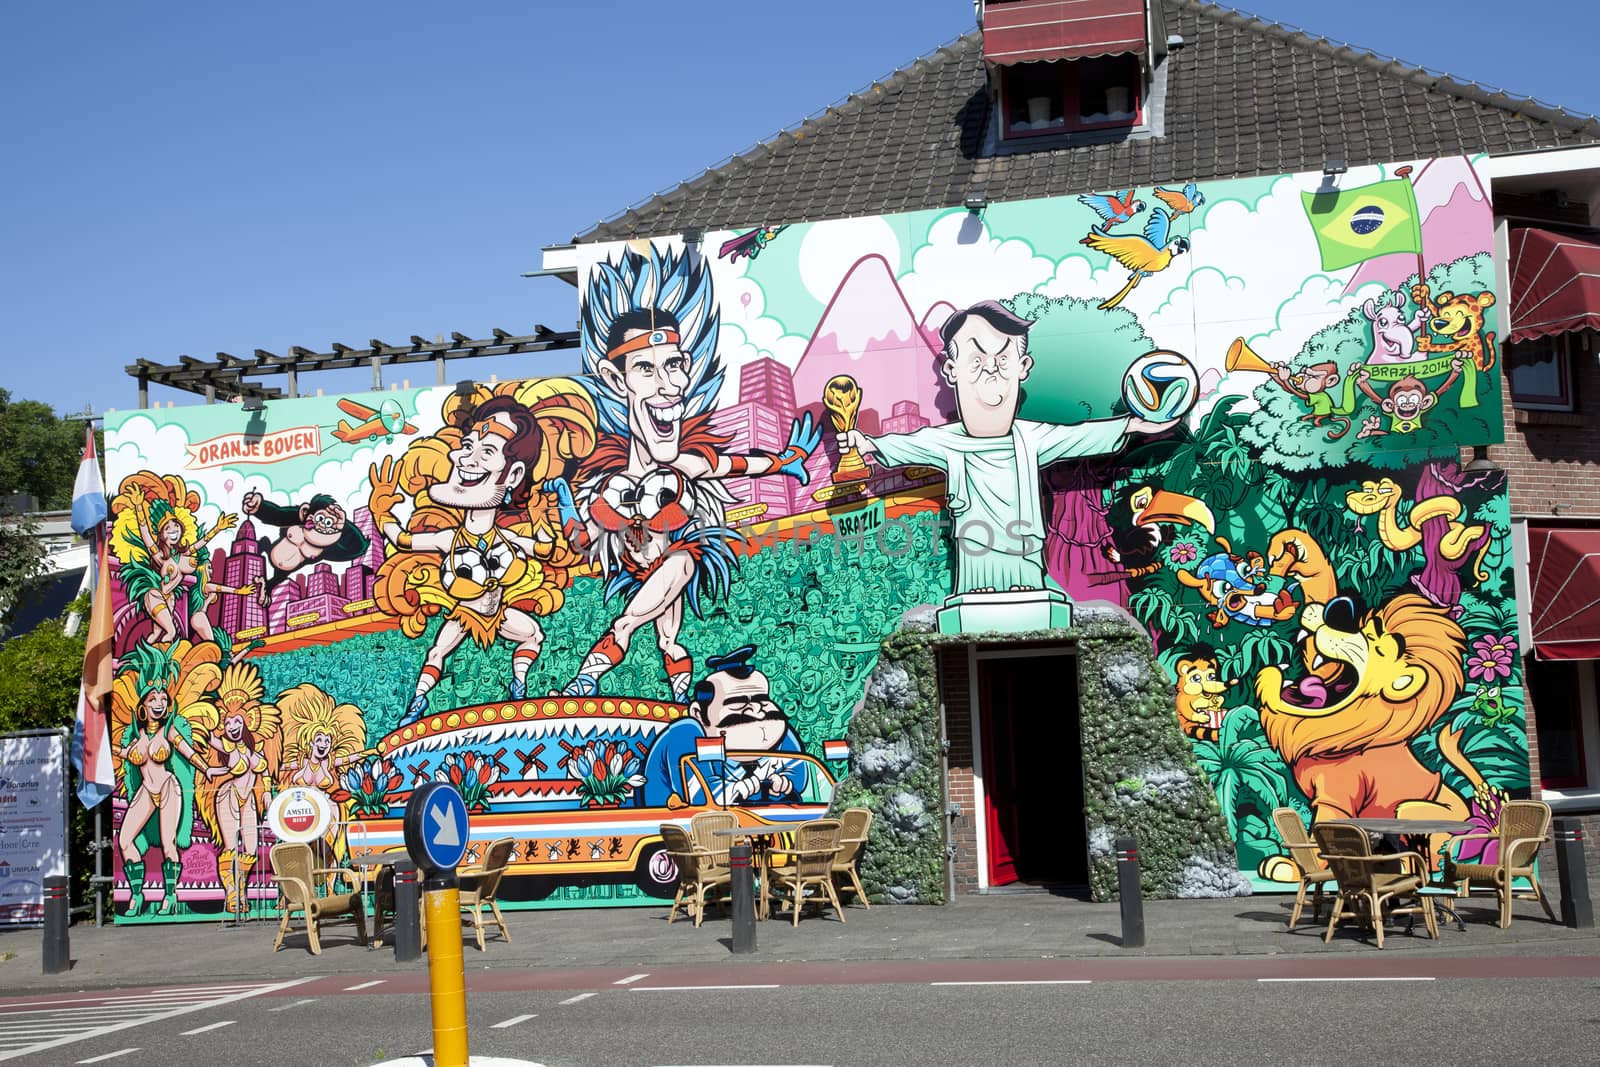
(1032, 765)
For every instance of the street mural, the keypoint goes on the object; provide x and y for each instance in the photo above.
(601, 602)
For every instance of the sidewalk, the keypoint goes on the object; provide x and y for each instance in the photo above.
(1005, 925)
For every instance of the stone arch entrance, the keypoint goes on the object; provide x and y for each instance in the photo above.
(915, 764)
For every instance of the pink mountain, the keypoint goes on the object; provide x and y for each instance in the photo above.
(869, 332)
(1457, 221)
(933, 319)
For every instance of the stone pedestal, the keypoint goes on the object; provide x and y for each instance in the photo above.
(1021, 611)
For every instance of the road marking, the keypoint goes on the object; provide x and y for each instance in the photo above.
(207, 1027)
(85, 1017)
(679, 988)
(631, 979)
(1024, 981)
(109, 1055)
(365, 985)
(1428, 978)
(514, 1020)
(296, 1004)
(580, 996)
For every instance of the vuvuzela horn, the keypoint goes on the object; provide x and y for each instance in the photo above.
(1242, 357)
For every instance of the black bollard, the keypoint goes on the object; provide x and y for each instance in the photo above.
(57, 946)
(1576, 910)
(742, 889)
(407, 912)
(1129, 894)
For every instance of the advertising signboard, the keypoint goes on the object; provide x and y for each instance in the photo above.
(33, 821)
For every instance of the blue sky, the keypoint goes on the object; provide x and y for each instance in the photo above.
(188, 178)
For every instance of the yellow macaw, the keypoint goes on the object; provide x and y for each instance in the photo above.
(1142, 254)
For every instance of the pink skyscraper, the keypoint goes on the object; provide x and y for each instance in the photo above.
(357, 582)
(244, 565)
(760, 422)
(321, 582)
(287, 592)
(374, 554)
(907, 417)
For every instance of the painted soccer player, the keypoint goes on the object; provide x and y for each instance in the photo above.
(471, 553)
(650, 502)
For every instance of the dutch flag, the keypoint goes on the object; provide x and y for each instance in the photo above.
(91, 730)
(835, 750)
(709, 748)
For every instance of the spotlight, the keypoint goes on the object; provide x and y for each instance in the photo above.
(1480, 462)
(466, 387)
(1334, 165)
(692, 236)
(975, 202)
(252, 403)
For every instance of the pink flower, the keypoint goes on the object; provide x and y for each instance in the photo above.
(1485, 819)
(1183, 552)
(1492, 658)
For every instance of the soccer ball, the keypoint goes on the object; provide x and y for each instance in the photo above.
(1160, 385)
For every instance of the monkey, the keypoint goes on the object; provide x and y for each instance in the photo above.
(1405, 403)
(1313, 386)
(315, 530)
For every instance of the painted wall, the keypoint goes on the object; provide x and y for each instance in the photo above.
(1234, 410)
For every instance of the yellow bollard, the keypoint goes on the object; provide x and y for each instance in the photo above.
(446, 975)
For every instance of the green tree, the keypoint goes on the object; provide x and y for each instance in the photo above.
(38, 451)
(1281, 438)
(1079, 356)
(22, 559)
(42, 670)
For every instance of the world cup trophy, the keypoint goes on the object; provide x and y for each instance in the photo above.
(842, 399)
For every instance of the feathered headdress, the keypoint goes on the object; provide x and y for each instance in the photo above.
(666, 281)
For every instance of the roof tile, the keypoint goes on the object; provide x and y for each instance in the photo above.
(1244, 97)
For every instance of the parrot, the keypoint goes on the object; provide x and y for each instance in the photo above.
(1143, 254)
(1118, 207)
(1181, 201)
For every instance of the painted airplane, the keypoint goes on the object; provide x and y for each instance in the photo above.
(384, 421)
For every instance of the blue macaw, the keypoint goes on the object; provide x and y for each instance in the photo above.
(1143, 254)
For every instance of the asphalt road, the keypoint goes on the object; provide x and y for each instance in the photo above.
(1372, 1008)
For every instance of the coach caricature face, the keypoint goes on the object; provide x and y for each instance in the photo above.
(734, 703)
(986, 361)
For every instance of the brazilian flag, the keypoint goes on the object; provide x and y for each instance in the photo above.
(1355, 225)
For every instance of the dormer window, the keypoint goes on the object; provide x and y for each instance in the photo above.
(1067, 66)
(1070, 95)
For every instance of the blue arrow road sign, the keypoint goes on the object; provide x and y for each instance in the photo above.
(436, 826)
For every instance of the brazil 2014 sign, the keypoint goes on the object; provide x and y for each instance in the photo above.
(300, 815)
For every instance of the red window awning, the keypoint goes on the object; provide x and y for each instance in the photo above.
(1028, 31)
(1564, 577)
(1555, 284)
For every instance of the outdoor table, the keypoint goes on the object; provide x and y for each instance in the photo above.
(1393, 829)
(760, 845)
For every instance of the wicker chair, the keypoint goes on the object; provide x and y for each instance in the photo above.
(296, 873)
(699, 874)
(1368, 884)
(703, 832)
(1524, 826)
(485, 882)
(853, 826)
(816, 847)
(1313, 872)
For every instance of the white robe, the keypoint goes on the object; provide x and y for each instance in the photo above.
(992, 490)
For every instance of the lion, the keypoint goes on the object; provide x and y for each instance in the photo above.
(1200, 693)
(1372, 685)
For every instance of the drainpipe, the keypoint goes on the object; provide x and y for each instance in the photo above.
(951, 810)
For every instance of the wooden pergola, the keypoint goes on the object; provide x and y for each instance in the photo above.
(229, 377)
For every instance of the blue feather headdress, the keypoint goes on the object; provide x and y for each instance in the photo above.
(666, 281)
